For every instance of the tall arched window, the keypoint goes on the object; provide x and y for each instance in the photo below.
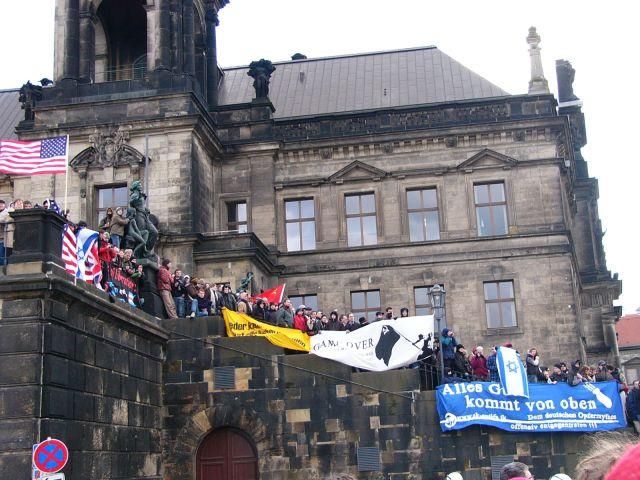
(121, 40)
(227, 454)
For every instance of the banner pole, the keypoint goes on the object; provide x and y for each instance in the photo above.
(66, 179)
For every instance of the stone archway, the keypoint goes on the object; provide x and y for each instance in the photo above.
(180, 458)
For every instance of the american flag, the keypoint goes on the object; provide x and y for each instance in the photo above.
(34, 158)
(70, 250)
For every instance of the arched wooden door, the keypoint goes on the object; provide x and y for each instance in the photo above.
(226, 454)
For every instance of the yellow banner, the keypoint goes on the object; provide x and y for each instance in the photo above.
(242, 325)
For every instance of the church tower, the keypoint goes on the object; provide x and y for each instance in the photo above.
(100, 41)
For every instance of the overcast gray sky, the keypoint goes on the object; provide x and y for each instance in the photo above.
(487, 36)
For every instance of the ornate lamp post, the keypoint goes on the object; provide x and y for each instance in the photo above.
(436, 299)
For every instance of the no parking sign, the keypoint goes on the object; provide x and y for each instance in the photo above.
(49, 457)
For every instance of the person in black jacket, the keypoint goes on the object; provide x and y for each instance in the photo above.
(461, 364)
(228, 298)
(260, 310)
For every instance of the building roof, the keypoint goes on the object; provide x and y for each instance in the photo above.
(361, 82)
(10, 113)
(628, 328)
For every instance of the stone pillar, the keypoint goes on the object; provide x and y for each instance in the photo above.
(538, 84)
(152, 56)
(213, 76)
(71, 54)
(162, 36)
(188, 46)
(87, 47)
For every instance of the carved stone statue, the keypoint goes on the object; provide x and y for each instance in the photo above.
(566, 74)
(30, 94)
(141, 234)
(245, 282)
(261, 71)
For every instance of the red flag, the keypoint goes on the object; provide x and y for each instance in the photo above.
(273, 295)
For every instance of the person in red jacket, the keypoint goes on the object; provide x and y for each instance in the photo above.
(479, 364)
(164, 288)
(299, 320)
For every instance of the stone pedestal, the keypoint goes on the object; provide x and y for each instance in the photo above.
(37, 240)
(149, 291)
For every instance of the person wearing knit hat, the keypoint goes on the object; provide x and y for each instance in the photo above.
(628, 467)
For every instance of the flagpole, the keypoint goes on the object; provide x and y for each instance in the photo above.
(66, 178)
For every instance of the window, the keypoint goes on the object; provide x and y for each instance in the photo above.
(632, 370)
(361, 220)
(365, 304)
(111, 197)
(300, 224)
(310, 301)
(491, 209)
(237, 216)
(422, 206)
(421, 299)
(500, 304)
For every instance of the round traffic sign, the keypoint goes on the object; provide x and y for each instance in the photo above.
(50, 456)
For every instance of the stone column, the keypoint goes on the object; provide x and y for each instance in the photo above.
(162, 36)
(213, 77)
(188, 46)
(538, 84)
(87, 47)
(70, 67)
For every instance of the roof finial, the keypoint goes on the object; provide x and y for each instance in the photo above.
(537, 84)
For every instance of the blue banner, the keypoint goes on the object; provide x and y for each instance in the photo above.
(588, 407)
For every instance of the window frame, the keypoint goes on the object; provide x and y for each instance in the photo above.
(303, 300)
(368, 312)
(112, 187)
(299, 221)
(422, 210)
(499, 301)
(492, 206)
(417, 305)
(360, 215)
(233, 204)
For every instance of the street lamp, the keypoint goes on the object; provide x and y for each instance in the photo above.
(437, 299)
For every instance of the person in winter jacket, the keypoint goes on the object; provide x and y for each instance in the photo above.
(533, 365)
(299, 320)
(284, 317)
(574, 377)
(448, 344)
(515, 471)
(602, 374)
(164, 288)
(479, 364)
(633, 406)
(492, 365)
(461, 365)
(116, 227)
(228, 298)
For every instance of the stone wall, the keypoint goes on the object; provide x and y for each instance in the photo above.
(307, 416)
(76, 367)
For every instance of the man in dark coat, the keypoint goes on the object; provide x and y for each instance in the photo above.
(448, 344)
(461, 364)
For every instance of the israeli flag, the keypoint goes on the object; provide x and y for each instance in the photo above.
(513, 376)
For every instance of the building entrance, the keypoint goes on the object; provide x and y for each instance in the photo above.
(227, 454)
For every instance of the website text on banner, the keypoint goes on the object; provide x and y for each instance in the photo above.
(242, 325)
(379, 346)
(588, 407)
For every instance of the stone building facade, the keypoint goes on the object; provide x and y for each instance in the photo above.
(461, 183)
(359, 181)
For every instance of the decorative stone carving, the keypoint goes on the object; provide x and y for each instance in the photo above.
(30, 94)
(261, 71)
(565, 74)
(387, 148)
(108, 149)
(326, 153)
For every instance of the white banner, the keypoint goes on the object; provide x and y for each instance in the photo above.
(382, 345)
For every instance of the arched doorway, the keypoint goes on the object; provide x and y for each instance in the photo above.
(226, 454)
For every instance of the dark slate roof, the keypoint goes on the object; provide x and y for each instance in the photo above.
(361, 82)
(10, 113)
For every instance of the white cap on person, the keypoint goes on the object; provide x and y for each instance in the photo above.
(560, 476)
(454, 476)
